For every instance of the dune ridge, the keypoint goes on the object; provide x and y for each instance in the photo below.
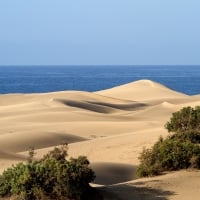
(141, 90)
(110, 127)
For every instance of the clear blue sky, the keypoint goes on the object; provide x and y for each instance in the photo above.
(99, 32)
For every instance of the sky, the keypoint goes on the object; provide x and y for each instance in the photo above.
(99, 32)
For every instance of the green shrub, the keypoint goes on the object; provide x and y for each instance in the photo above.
(149, 166)
(170, 154)
(52, 177)
(180, 150)
(184, 121)
(176, 154)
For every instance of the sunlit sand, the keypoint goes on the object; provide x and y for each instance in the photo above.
(110, 127)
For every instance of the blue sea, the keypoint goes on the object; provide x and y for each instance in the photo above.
(37, 79)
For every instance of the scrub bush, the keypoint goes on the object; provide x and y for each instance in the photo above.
(52, 177)
(180, 150)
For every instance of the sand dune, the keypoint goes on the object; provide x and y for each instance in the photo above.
(22, 141)
(10, 156)
(110, 127)
(141, 91)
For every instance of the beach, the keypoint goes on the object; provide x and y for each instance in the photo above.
(110, 127)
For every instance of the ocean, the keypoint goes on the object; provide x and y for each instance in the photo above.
(38, 79)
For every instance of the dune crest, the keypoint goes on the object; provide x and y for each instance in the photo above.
(141, 90)
(147, 83)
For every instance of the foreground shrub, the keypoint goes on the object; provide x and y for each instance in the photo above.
(52, 177)
(180, 150)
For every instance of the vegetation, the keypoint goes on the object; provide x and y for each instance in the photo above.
(180, 150)
(52, 177)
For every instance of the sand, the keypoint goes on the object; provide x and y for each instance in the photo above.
(110, 127)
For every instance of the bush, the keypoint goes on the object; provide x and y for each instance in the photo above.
(187, 120)
(180, 150)
(149, 166)
(52, 177)
(170, 154)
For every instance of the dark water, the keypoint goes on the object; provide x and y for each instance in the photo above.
(30, 79)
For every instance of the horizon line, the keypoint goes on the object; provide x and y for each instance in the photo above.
(94, 65)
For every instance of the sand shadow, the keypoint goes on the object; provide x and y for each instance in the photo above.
(101, 107)
(131, 191)
(23, 141)
(127, 106)
(113, 173)
(87, 106)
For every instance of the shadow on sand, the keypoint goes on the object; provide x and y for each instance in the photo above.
(113, 173)
(115, 179)
(132, 192)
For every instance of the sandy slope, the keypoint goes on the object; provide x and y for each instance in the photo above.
(110, 127)
(141, 90)
(182, 185)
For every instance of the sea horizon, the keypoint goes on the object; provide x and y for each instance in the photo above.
(51, 78)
